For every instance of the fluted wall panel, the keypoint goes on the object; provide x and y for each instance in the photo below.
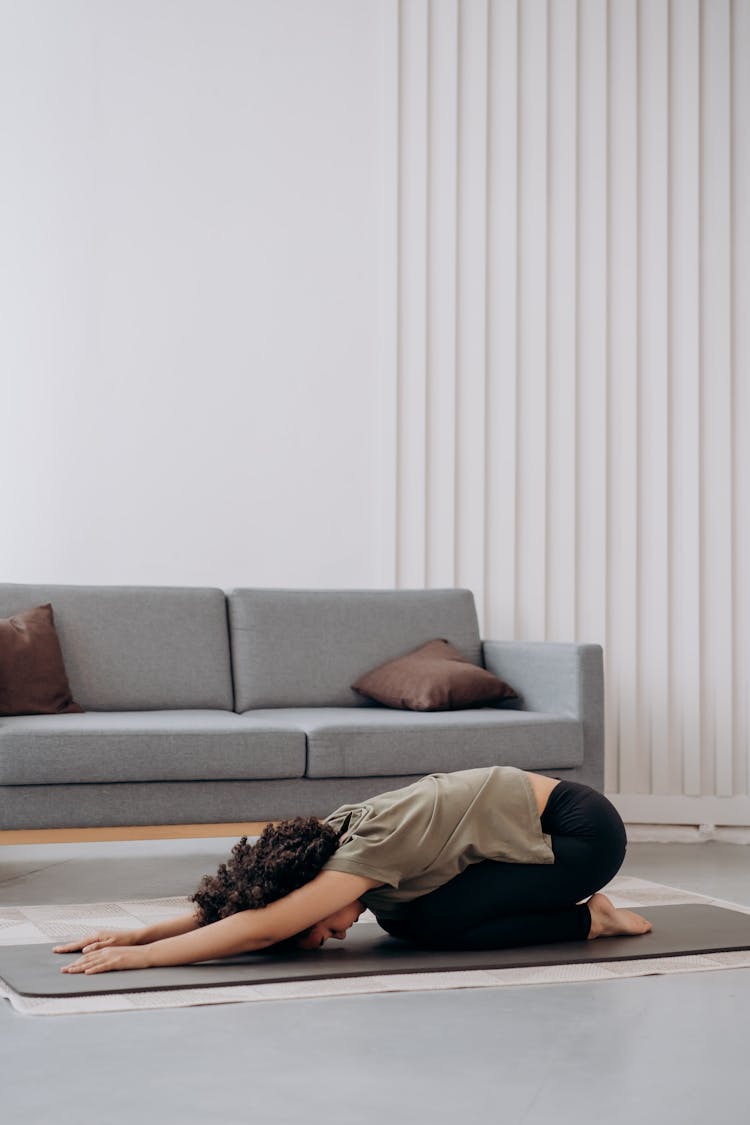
(740, 103)
(568, 293)
(501, 481)
(442, 294)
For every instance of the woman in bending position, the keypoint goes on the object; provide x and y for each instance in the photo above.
(477, 859)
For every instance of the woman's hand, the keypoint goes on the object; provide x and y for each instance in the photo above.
(109, 959)
(100, 940)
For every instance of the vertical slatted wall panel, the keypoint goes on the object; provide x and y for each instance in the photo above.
(442, 279)
(591, 343)
(471, 298)
(622, 314)
(740, 68)
(388, 328)
(569, 294)
(414, 189)
(653, 735)
(502, 319)
(716, 399)
(684, 348)
(562, 391)
(531, 542)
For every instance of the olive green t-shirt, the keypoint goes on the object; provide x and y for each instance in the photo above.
(417, 838)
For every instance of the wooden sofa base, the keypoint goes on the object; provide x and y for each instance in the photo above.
(139, 832)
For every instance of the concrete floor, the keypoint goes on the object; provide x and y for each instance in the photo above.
(651, 1049)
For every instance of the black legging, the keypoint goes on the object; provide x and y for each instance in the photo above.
(493, 905)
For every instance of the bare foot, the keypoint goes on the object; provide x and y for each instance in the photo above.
(608, 921)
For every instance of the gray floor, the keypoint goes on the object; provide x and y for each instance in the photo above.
(655, 1049)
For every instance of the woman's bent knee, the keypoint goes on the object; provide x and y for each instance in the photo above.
(588, 835)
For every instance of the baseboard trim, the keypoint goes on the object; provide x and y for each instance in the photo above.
(139, 832)
(648, 808)
(685, 834)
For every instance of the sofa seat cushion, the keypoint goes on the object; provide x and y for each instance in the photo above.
(372, 741)
(114, 746)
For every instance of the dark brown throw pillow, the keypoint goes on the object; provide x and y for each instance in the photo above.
(32, 673)
(434, 677)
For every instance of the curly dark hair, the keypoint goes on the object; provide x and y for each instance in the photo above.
(286, 856)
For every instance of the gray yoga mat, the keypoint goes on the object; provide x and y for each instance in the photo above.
(34, 970)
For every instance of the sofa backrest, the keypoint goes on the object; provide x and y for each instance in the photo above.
(304, 648)
(137, 648)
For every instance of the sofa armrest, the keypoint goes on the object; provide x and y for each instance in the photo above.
(558, 679)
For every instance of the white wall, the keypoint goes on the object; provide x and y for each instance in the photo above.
(188, 220)
(401, 292)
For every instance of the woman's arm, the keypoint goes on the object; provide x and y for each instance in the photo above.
(183, 924)
(244, 932)
(143, 936)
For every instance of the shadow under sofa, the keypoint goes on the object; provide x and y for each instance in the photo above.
(202, 707)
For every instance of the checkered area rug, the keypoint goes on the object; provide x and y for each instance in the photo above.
(20, 925)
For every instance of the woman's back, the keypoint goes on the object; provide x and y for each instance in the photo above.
(417, 838)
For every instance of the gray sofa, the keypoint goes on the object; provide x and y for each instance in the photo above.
(206, 707)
